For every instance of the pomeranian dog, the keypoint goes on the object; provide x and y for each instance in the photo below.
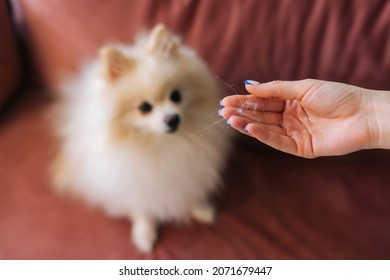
(140, 135)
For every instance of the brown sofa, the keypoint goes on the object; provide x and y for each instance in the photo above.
(274, 206)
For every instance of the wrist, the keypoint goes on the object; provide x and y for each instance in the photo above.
(378, 118)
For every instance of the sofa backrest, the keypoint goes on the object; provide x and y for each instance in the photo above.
(347, 41)
(9, 59)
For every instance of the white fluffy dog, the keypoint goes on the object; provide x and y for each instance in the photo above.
(140, 135)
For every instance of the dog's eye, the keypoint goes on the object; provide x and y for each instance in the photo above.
(145, 107)
(175, 96)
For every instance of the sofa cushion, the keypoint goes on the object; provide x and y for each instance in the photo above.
(273, 206)
(263, 40)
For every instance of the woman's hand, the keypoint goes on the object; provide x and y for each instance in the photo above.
(307, 118)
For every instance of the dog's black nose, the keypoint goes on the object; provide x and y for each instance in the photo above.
(173, 122)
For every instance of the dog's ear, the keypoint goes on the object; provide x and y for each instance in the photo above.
(161, 41)
(115, 64)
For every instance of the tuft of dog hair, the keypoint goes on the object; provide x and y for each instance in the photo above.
(140, 136)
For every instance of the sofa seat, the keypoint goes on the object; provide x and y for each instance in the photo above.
(273, 206)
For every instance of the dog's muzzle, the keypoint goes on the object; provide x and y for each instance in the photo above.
(172, 122)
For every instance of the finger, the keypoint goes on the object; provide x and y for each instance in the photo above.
(280, 89)
(240, 123)
(276, 140)
(254, 116)
(252, 102)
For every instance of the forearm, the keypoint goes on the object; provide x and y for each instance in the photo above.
(378, 116)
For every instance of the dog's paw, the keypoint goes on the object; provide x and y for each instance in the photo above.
(144, 235)
(204, 214)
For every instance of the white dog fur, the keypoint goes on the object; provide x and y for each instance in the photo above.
(120, 154)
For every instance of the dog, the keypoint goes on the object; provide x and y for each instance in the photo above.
(140, 136)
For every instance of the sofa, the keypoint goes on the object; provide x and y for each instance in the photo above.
(272, 205)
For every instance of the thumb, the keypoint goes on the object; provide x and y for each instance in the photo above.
(289, 90)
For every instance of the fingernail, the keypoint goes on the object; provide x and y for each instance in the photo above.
(220, 103)
(246, 130)
(227, 122)
(220, 112)
(251, 82)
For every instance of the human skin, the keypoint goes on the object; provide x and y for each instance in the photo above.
(311, 118)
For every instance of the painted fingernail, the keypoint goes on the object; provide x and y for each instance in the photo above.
(220, 112)
(251, 82)
(227, 122)
(220, 103)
